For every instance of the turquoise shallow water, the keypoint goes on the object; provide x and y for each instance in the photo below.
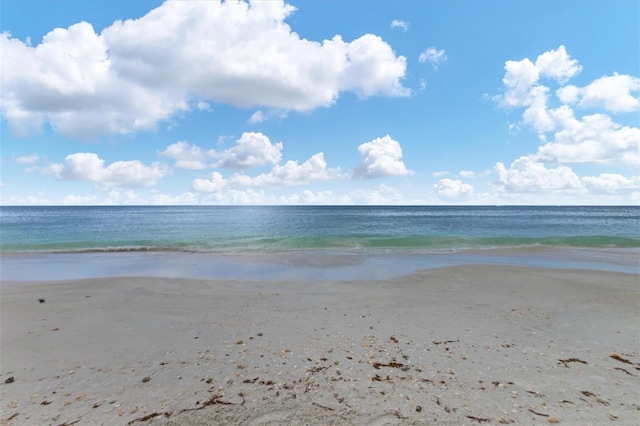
(308, 243)
(276, 229)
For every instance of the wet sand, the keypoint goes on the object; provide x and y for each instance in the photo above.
(456, 345)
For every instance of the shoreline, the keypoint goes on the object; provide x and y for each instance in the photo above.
(459, 344)
(311, 265)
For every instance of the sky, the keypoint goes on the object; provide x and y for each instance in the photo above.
(319, 102)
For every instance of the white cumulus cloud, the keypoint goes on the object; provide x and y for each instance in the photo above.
(526, 175)
(86, 166)
(183, 55)
(214, 184)
(557, 64)
(187, 156)
(611, 183)
(452, 189)
(380, 157)
(252, 149)
(290, 173)
(612, 92)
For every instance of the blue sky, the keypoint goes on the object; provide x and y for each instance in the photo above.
(320, 102)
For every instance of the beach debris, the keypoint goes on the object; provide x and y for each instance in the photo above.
(444, 342)
(69, 423)
(45, 402)
(479, 419)
(418, 409)
(322, 406)
(622, 369)
(146, 379)
(568, 360)
(166, 414)
(392, 364)
(587, 393)
(537, 413)
(9, 380)
(41, 300)
(552, 419)
(394, 339)
(619, 358)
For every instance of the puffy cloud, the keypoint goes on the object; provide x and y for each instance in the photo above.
(380, 157)
(291, 173)
(433, 56)
(609, 183)
(596, 138)
(612, 93)
(440, 173)
(397, 23)
(68, 81)
(557, 64)
(252, 149)
(139, 72)
(186, 156)
(27, 159)
(530, 176)
(452, 189)
(215, 184)
(466, 173)
(86, 166)
(521, 76)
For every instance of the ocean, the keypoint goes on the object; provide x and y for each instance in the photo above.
(340, 233)
(288, 228)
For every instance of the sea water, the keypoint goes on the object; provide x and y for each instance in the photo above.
(292, 228)
(299, 236)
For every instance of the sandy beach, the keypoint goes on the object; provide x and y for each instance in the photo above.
(457, 345)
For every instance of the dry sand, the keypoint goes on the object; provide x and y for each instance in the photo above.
(458, 345)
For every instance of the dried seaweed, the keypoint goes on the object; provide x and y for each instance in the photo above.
(446, 341)
(392, 364)
(568, 360)
(68, 423)
(150, 416)
(479, 419)
(537, 413)
(619, 358)
(622, 369)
